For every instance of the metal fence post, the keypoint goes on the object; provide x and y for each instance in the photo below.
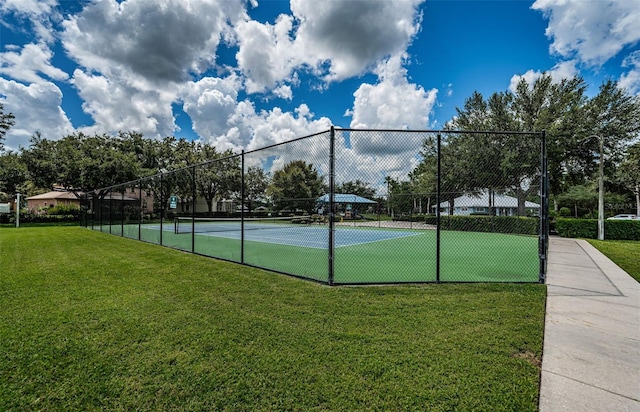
(438, 188)
(111, 211)
(242, 188)
(18, 210)
(332, 140)
(141, 212)
(99, 209)
(162, 206)
(543, 243)
(122, 212)
(193, 209)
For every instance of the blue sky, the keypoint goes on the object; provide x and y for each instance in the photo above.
(245, 74)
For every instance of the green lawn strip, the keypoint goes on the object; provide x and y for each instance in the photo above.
(90, 321)
(625, 253)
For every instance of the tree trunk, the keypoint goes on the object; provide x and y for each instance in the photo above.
(492, 209)
(209, 200)
(638, 201)
(522, 201)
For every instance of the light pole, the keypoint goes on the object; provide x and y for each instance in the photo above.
(600, 187)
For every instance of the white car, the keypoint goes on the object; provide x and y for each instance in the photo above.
(623, 217)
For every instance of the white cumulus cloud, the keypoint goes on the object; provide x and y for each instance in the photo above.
(161, 40)
(590, 31)
(117, 106)
(562, 70)
(393, 102)
(33, 61)
(631, 79)
(39, 13)
(37, 108)
(335, 40)
(251, 130)
(210, 102)
(351, 36)
(266, 55)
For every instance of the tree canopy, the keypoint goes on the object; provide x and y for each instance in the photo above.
(510, 162)
(296, 186)
(356, 187)
(7, 120)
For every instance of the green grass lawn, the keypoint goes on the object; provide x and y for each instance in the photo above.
(90, 321)
(625, 253)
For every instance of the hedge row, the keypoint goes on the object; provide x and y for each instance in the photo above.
(588, 228)
(34, 218)
(495, 224)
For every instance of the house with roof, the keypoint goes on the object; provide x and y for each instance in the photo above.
(38, 204)
(479, 203)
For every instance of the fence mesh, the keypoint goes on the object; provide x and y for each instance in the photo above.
(490, 199)
(217, 185)
(352, 207)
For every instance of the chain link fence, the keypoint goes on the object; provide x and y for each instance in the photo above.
(353, 207)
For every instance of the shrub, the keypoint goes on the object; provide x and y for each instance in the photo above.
(622, 229)
(496, 224)
(64, 210)
(588, 228)
(34, 218)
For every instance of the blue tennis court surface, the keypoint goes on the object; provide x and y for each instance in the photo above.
(306, 236)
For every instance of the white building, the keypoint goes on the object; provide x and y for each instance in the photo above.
(479, 203)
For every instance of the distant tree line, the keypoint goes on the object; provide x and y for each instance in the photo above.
(482, 162)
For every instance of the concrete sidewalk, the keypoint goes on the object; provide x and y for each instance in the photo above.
(591, 354)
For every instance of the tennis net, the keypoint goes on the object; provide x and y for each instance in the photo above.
(205, 225)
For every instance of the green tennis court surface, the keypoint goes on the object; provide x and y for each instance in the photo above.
(465, 256)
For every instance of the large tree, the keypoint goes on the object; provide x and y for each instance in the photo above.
(296, 186)
(400, 197)
(629, 173)
(79, 162)
(13, 173)
(356, 187)
(146, 151)
(456, 175)
(40, 159)
(218, 178)
(7, 120)
(256, 182)
(572, 121)
(613, 119)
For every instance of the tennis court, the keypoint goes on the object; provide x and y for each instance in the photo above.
(362, 254)
(273, 207)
